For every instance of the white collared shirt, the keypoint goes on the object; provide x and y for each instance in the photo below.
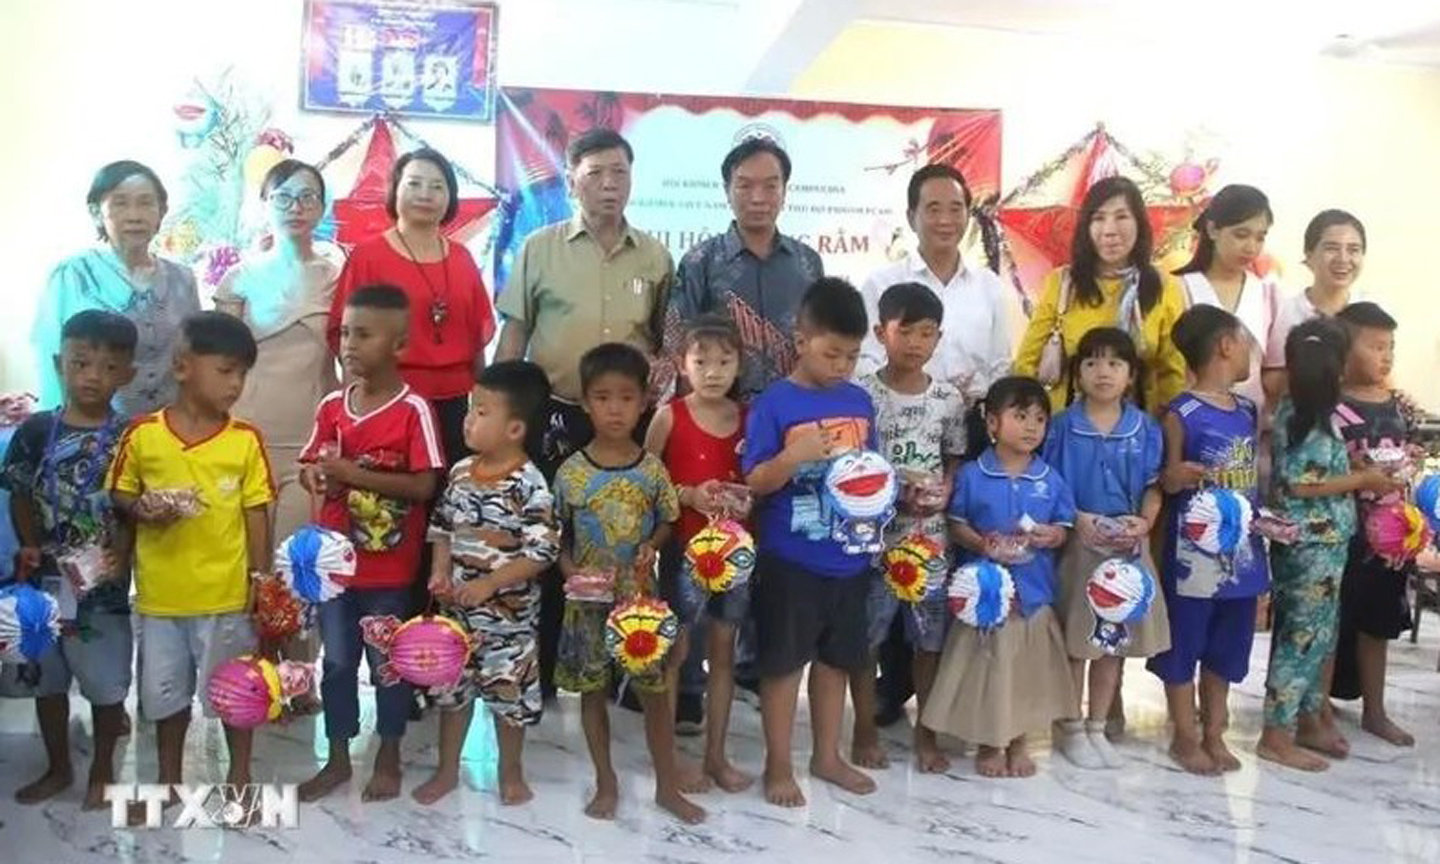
(1257, 309)
(976, 346)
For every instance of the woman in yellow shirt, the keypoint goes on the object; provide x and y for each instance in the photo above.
(1110, 282)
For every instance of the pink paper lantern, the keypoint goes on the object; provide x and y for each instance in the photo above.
(427, 651)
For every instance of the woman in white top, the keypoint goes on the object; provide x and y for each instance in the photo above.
(1221, 273)
(1335, 254)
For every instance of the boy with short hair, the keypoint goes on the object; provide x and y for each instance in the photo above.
(55, 474)
(494, 532)
(810, 595)
(921, 425)
(373, 455)
(192, 564)
(1211, 437)
(1372, 419)
(616, 505)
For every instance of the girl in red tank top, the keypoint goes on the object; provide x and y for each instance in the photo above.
(699, 437)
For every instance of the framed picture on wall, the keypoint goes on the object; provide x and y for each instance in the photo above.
(430, 60)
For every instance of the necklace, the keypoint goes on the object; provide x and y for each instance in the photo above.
(439, 307)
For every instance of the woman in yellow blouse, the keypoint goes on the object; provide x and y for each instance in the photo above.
(1110, 282)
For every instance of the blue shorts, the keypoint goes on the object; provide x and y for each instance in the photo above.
(689, 601)
(100, 660)
(1215, 633)
(926, 622)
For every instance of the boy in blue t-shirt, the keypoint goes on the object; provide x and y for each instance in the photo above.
(1211, 440)
(810, 595)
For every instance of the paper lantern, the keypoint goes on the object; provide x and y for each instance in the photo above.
(1218, 522)
(1427, 499)
(860, 489)
(1120, 593)
(29, 623)
(279, 614)
(1396, 532)
(914, 568)
(250, 691)
(639, 634)
(981, 594)
(428, 651)
(315, 563)
(720, 556)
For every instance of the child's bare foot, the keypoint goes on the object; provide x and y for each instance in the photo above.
(1282, 751)
(1017, 760)
(50, 784)
(384, 785)
(1383, 727)
(842, 774)
(727, 776)
(1188, 754)
(692, 776)
(928, 755)
(440, 784)
(990, 761)
(606, 799)
(869, 754)
(682, 808)
(95, 793)
(782, 790)
(1323, 738)
(327, 780)
(1224, 760)
(514, 791)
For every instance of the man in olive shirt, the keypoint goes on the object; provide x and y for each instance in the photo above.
(578, 284)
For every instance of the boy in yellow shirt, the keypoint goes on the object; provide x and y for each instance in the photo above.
(192, 562)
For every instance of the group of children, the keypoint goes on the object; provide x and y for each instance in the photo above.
(1047, 498)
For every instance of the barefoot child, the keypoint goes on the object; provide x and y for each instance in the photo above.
(494, 533)
(55, 474)
(373, 454)
(1210, 439)
(1109, 451)
(810, 595)
(1374, 607)
(1011, 507)
(698, 437)
(615, 504)
(921, 424)
(192, 566)
(1315, 488)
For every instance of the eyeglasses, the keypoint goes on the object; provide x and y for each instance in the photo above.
(284, 200)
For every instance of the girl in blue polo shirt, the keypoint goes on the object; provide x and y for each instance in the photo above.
(1011, 507)
(1110, 452)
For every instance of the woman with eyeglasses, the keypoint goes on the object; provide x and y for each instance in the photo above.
(451, 319)
(120, 274)
(283, 294)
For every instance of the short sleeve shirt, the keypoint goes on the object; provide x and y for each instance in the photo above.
(1321, 456)
(1366, 426)
(493, 521)
(917, 432)
(794, 523)
(990, 500)
(400, 436)
(611, 511)
(572, 295)
(1107, 471)
(1225, 441)
(199, 565)
(61, 470)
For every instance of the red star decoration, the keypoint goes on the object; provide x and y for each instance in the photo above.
(1039, 236)
(361, 215)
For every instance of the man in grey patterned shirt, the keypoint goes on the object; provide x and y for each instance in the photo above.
(752, 273)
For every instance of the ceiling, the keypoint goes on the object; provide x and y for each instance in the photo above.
(1387, 31)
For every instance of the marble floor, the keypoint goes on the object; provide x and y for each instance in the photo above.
(1383, 804)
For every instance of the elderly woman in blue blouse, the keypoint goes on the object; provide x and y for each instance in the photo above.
(121, 274)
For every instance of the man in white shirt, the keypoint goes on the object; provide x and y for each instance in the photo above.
(976, 347)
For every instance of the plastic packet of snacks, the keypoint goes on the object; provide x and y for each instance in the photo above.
(85, 567)
(927, 490)
(174, 503)
(591, 586)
